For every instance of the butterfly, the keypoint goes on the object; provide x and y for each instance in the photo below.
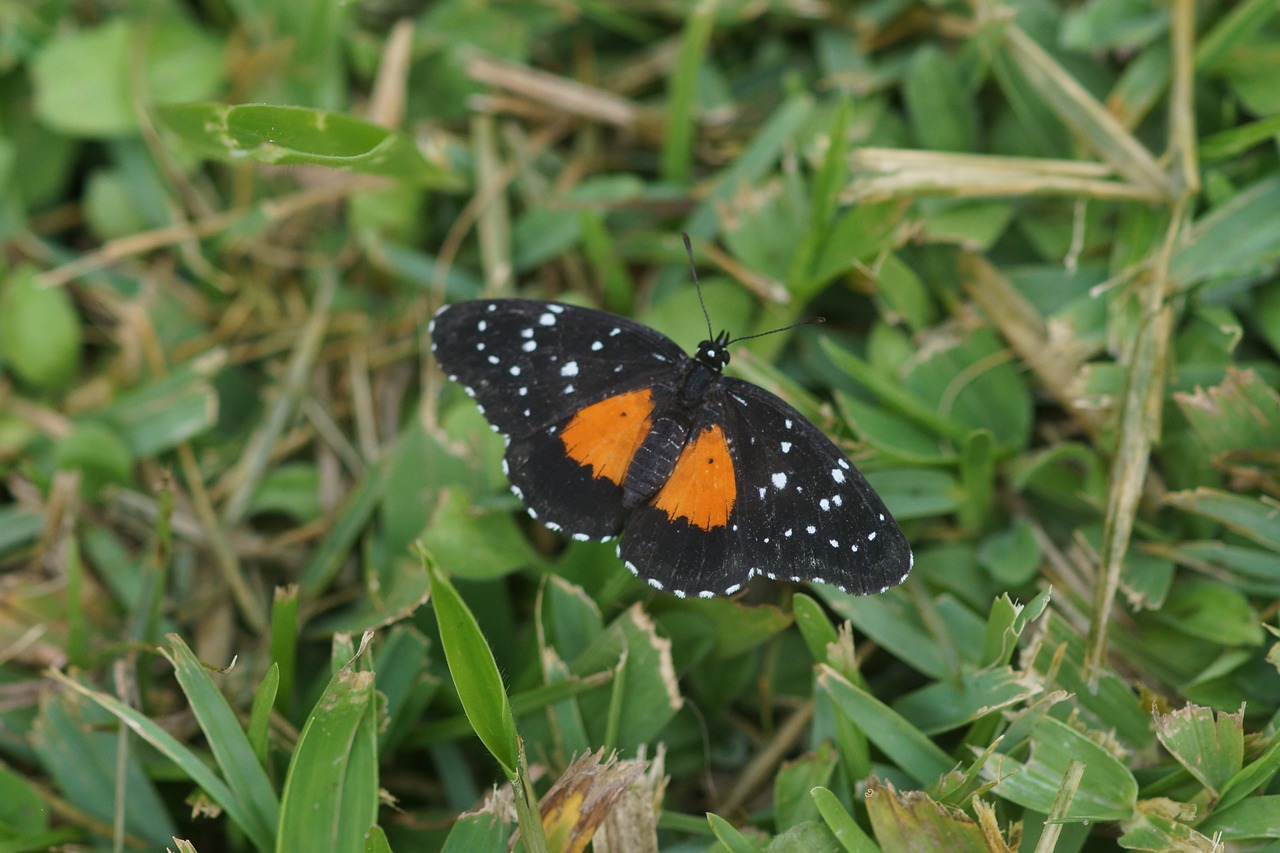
(612, 429)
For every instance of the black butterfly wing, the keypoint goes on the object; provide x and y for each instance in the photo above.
(802, 511)
(532, 366)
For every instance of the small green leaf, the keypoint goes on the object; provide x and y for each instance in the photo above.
(40, 337)
(937, 102)
(296, 135)
(98, 454)
(330, 798)
(1013, 555)
(475, 672)
(231, 748)
(292, 489)
(851, 836)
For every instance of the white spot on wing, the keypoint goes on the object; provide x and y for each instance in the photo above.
(837, 475)
(779, 480)
(482, 325)
(547, 320)
(515, 370)
(596, 346)
(786, 447)
(529, 345)
(825, 504)
(568, 389)
(811, 530)
(569, 369)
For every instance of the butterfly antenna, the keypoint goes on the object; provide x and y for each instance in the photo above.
(810, 322)
(688, 247)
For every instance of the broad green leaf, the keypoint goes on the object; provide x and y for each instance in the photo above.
(649, 694)
(85, 83)
(1163, 824)
(1237, 237)
(249, 819)
(1212, 750)
(1250, 517)
(1211, 611)
(1107, 790)
(791, 798)
(475, 543)
(912, 822)
(1240, 414)
(896, 737)
(1255, 817)
(76, 746)
(943, 706)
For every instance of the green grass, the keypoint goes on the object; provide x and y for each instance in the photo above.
(262, 584)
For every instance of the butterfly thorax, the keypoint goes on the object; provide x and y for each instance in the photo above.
(706, 366)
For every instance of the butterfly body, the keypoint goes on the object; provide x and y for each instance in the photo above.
(612, 429)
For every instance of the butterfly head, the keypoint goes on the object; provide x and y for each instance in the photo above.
(714, 355)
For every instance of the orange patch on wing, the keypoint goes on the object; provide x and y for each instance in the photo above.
(605, 435)
(702, 487)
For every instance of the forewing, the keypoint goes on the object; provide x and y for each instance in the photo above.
(533, 364)
(532, 368)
